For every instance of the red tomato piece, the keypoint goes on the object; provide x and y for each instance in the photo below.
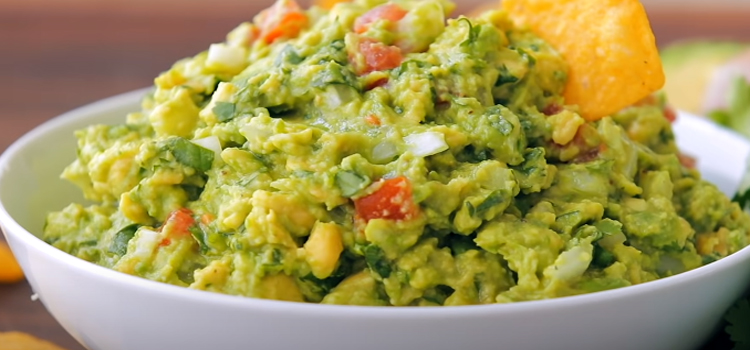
(378, 56)
(285, 19)
(390, 12)
(393, 200)
(372, 120)
(180, 221)
(687, 161)
(670, 114)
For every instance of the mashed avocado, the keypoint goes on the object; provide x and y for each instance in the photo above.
(379, 155)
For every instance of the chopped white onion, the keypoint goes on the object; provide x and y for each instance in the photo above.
(609, 242)
(223, 56)
(384, 152)
(426, 143)
(255, 132)
(210, 142)
(146, 243)
(571, 263)
(337, 95)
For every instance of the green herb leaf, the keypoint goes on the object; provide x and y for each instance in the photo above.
(376, 261)
(743, 199)
(502, 125)
(474, 32)
(738, 317)
(224, 111)
(495, 198)
(527, 56)
(334, 73)
(350, 182)
(602, 257)
(120, 242)
(201, 237)
(505, 77)
(190, 154)
(289, 55)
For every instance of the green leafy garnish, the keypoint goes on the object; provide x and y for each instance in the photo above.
(742, 198)
(495, 198)
(376, 261)
(224, 111)
(190, 154)
(201, 237)
(120, 242)
(738, 328)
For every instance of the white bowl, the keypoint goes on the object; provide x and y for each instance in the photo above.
(108, 310)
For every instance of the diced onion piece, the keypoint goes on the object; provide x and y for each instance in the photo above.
(384, 152)
(609, 242)
(337, 95)
(571, 263)
(212, 143)
(226, 58)
(426, 143)
(146, 242)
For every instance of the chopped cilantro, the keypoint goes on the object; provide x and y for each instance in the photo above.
(224, 111)
(738, 328)
(120, 242)
(376, 261)
(190, 154)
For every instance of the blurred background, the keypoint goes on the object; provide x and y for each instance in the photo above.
(56, 55)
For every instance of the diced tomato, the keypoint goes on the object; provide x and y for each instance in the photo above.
(390, 12)
(378, 56)
(285, 19)
(377, 83)
(372, 120)
(180, 221)
(552, 109)
(392, 200)
(687, 161)
(165, 242)
(670, 114)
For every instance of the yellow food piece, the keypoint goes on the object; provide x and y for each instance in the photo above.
(280, 287)
(10, 271)
(323, 249)
(565, 126)
(23, 341)
(608, 44)
(327, 4)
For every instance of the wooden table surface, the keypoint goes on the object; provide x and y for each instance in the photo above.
(55, 58)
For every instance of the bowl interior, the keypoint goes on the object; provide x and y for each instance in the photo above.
(30, 183)
(721, 154)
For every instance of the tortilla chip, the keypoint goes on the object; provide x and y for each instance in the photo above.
(23, 341)
(10, 271)
(608, 44)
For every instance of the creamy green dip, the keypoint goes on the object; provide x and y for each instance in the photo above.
(374, 155)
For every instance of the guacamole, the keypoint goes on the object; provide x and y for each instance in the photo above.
(383, 153)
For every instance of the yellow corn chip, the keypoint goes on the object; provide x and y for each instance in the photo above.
(608, 44)
(10, 271)
(23, 341)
